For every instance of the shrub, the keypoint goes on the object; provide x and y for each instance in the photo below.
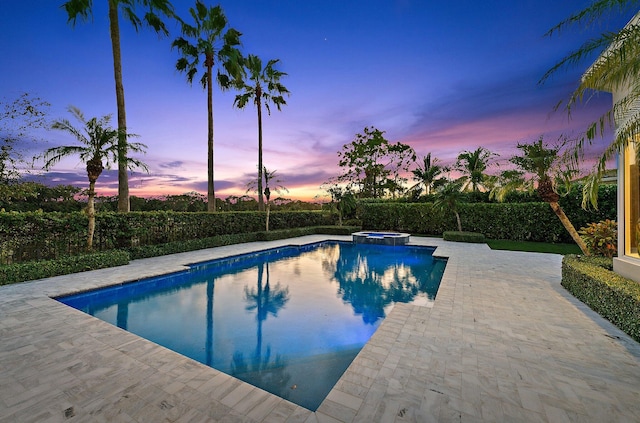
(601, 238)
(21, 272)
(463, 236)
(614, 297)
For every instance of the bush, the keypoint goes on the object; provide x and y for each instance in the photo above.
(614, 297)
(21, 272)
(33, 236)
(601, 238)
(463, 236)
(509, 221)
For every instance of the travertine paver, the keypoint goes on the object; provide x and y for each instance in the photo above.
(502, 342)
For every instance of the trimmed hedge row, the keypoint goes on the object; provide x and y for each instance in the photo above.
(612, 296)
(33, 270)
(33, 236)
(21, 272)
(472, 237)
(510, 221)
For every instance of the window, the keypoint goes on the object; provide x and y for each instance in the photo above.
(632, 200)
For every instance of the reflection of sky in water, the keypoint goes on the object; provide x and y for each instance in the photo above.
(296, 321)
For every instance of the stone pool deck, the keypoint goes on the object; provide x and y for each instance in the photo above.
(503, 342)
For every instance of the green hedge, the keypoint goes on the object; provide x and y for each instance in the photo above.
(510, 221)
(21, 272)
(33, 236)
(463, 236)
(614, 297)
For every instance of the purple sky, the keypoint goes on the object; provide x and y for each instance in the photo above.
(440, 76)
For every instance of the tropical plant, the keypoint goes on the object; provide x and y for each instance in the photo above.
(209, 38)
(615, 69)
(276, 183)
(428, 175)
(84, 10)
(541, 161)
(98, 147)
(343, 201)
(374, 165)
(601, 238)
(264, 86)
(449, 197)
(473, 165)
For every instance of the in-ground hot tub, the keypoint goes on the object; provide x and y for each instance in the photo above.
(383, 238)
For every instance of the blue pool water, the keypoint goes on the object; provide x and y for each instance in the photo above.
(288, 320)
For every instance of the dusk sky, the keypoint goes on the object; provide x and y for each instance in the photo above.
(440, 76)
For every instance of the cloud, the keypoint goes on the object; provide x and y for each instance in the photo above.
(171, 165)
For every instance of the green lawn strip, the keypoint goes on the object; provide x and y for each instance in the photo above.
(533, 247)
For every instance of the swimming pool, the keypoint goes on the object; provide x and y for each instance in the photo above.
(289, 320)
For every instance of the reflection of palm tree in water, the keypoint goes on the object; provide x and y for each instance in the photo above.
(265, 300)
(209, 340)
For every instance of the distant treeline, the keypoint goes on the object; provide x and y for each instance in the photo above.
(33, 196)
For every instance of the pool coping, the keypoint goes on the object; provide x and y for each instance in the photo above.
(51, 353)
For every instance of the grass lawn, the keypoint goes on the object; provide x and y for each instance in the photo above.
(534, 247)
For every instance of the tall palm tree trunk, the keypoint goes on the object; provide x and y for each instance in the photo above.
(568, 226)
(211, 193)
(458, 220)
(91, 213)
(259, 105)
(123, 178)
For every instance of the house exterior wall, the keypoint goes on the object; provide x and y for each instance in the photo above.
(627, 263)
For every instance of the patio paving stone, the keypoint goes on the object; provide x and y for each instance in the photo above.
(503, 341)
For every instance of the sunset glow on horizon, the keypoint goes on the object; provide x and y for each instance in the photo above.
(441, 77)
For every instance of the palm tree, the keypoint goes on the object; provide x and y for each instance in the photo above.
(427, 174)
(449, 197)
(207, 39)
(617, 67)
(269, 178)
(473, 164)
(264, 86)
(540, 161)
(99, 145)
(83, 9)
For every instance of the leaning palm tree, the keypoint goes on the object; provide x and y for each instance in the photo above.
(209, 38)
(428, 175)
(98, 146)
(84, 10)
(473, 165)
(540, 161)
(263, 86)
(616, 68)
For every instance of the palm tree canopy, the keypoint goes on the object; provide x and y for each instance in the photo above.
(617, 68)
(98, 141)
(207, 38)
(473, 164)
(83, 9)
(428, 174)
(265, 84)
(536, 158)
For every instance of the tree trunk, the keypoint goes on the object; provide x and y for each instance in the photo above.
(91, 212)
(459, 223)
(268, 210)
(211, 193)
(123, 178)
(259, 106)
(569, 227)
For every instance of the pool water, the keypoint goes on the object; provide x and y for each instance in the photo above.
(288, 320)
